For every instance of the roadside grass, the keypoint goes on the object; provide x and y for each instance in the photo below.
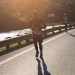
(3, 48)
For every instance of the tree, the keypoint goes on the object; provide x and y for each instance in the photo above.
(23, 9)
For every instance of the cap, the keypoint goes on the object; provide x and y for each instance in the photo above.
(64, 14)
(35, 11)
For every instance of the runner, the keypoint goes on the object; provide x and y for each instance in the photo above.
(65, 21)
(36, 25)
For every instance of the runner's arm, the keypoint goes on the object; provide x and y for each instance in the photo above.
(43, 24)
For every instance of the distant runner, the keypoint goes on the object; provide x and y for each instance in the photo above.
(36, 25)
(65, 21)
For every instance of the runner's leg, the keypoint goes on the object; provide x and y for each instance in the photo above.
(36, 46)
(41, 47)
(66, 26)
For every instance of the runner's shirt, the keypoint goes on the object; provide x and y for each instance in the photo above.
(36, 25)
(65, 19)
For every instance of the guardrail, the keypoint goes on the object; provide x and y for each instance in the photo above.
(18, 42)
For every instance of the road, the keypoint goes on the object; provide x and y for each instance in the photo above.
(58, 58)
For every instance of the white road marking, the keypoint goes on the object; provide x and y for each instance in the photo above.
(2, 62)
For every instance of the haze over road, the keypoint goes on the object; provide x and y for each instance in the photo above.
(58, 58)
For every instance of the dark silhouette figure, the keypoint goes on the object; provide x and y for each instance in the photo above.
(44, 67)
(71, 35)
(39, 67)
(65, 21)
(36, 25)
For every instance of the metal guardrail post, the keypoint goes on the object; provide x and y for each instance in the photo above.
(7, 47)
(19, 43)
(53, 30)
(59, 28)
(70, 26)
(45, 34)
(74, 25)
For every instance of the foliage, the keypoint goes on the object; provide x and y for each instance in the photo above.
(59, 7)
(23, 9)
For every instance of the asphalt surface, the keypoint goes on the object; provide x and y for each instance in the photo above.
(58, 58)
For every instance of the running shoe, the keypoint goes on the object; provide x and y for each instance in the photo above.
(37, 54)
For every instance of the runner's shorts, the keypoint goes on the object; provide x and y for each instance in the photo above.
(35, 39)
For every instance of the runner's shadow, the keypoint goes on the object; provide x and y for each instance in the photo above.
(44, 67)
(71, 35)
(39, 67)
